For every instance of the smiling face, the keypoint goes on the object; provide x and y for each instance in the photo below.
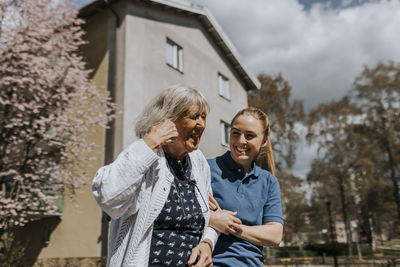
(247, 138)
(190, 127)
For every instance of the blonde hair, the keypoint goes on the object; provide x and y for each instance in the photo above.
(169, 104)
(266, 156)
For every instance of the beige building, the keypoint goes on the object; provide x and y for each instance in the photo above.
(136, 49)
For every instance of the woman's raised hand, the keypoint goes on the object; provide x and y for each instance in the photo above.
(161, 134)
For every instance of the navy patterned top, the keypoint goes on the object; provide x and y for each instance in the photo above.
(179, 226)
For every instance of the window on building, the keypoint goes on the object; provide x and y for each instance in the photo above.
(223, 86)
(174, 55)
(225, 131)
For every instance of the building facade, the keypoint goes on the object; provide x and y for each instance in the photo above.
(136, 49)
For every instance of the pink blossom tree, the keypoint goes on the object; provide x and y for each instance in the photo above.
(48, 108)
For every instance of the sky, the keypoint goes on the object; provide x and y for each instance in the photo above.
(319, 47)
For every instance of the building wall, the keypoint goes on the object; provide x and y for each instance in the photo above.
(77, 233)
(146, 71)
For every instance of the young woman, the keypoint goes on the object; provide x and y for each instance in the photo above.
(249, 213)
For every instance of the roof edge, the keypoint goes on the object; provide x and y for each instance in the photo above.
(232, 48)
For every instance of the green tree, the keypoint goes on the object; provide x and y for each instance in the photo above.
(375, 207)
(330, 125)
(377, 94)
(295, 206)
(359, 147)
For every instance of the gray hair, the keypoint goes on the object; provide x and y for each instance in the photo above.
(169, 104)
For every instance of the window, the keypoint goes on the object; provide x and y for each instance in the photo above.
(225, 131)
(223, 86)
(174, 55)
(51, 188)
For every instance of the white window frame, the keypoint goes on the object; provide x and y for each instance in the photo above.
(223, 86)
(174, 55)
(225, 129)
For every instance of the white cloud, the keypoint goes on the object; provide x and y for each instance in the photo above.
(320, 50)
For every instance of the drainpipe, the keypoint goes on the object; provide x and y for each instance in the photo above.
(110, 132)
(117, 18)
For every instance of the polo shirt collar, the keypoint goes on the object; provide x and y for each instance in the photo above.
(234, 167)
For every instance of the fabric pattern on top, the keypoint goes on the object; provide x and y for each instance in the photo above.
(179, 226)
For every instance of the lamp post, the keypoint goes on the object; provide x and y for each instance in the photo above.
(332, 235)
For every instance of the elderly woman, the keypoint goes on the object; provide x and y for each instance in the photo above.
(156, 190)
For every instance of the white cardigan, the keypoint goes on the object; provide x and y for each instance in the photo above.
(132, 191)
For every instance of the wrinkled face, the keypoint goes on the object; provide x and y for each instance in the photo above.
(246, 140)
(190, 127)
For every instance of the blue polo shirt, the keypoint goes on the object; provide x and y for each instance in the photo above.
(257, 199)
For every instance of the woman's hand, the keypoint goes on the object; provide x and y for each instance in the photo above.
(201, 255)
(161, 134)
(223, 221)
